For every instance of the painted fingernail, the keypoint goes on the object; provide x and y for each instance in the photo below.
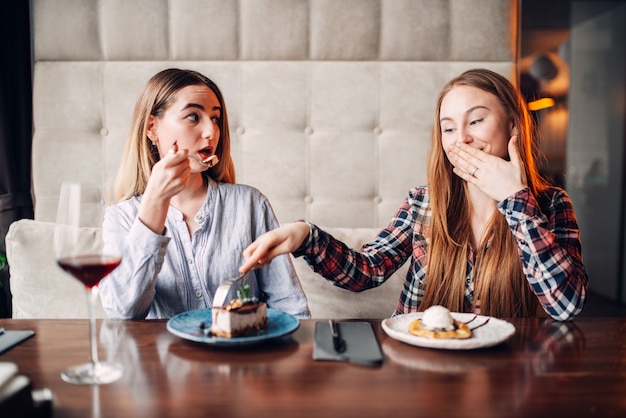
(174, 148)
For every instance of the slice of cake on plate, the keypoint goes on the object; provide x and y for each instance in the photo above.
(240, 316)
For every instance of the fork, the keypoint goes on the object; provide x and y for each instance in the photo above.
(222, 291)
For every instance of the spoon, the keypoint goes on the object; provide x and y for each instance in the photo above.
(209, 162)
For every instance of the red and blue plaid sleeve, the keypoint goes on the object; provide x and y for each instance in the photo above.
(373, 263)
(548, 239)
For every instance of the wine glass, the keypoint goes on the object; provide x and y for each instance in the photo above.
(79, 251)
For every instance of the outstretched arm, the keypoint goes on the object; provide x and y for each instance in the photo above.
(283, 240)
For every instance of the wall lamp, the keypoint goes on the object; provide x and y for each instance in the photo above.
(543, 103)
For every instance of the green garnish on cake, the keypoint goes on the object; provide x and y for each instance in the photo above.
(243, 294)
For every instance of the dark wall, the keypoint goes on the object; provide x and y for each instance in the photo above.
(15, 127)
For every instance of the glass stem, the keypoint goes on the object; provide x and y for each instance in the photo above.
(91, 303)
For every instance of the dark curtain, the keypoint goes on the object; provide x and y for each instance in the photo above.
(15, 127)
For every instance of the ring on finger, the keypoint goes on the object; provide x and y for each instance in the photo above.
(474, 171)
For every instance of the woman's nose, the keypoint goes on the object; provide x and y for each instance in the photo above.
(464, 137)
(209, 129)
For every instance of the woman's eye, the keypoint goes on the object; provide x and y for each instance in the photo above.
(193, 117)
(475, 121)
(216, 120)
(447, 130)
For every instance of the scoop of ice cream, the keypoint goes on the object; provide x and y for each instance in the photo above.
(437, 317)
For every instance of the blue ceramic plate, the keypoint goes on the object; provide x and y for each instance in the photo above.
(187, 325)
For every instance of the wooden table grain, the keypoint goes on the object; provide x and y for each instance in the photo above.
(547, 369)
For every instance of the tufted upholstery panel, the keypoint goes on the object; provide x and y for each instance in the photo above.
(275, 30)
(330, 102)
(330, 106)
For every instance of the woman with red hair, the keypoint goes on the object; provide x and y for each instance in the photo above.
(487, 234)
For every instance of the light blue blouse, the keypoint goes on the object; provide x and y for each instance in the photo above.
(163, 275)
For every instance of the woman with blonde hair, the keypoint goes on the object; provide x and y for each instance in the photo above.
(181, 221)
(487, 235)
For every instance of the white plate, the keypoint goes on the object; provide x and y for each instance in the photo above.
(494, 332)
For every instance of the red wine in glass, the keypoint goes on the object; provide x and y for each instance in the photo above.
(79, 251)
(89, 268)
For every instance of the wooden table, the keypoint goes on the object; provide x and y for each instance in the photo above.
(547, 369)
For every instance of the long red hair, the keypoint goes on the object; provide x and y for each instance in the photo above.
(499, 282)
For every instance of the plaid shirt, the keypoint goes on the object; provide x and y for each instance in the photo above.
(545, 230)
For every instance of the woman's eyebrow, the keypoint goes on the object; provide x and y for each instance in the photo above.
(199, 106)
(467, 112)
(471, 109)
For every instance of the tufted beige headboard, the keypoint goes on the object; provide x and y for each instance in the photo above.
(330, 104)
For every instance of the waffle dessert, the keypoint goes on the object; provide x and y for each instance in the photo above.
(438, 323)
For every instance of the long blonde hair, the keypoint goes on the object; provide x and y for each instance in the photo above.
(141, 154)
(500, 284)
